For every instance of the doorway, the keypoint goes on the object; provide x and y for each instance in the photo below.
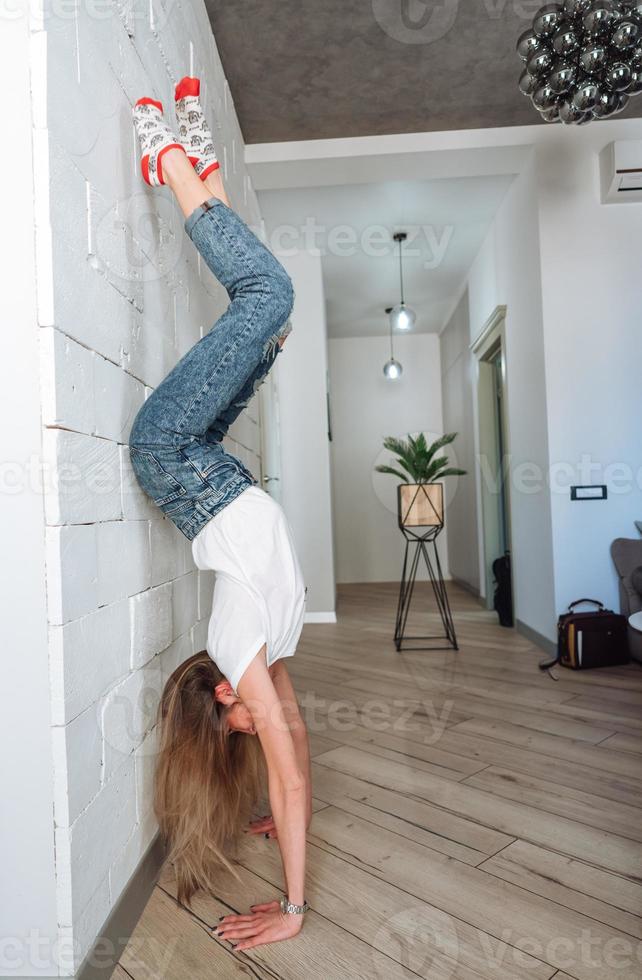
(494, 460)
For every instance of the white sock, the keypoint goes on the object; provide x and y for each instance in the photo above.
(193, 130)
(155, 138)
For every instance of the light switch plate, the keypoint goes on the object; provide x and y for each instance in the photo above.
(596, 492)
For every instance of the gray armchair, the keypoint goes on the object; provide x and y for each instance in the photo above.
(627, 558)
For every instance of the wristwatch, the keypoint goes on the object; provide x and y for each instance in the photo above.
(291, 909)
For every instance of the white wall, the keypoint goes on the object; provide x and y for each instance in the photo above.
(592, 292)
(305, 457)
(365, 408)
(122, 295)
(27, 881)
(507, 271)
(457, 374)
(566, 267)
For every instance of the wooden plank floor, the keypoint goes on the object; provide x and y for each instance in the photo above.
(474, 818)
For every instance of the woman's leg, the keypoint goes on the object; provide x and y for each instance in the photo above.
(214, 184)
(179, 174)
(240, 348)
(189, 189)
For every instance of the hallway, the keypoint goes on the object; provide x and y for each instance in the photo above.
(474, 818)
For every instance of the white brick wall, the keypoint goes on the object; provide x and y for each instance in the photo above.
(122, 295)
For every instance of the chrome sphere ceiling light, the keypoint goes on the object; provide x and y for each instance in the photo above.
(392, 369)
(402, 317)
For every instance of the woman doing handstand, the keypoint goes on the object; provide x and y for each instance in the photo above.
(207, 775)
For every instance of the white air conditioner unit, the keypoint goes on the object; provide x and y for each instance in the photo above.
(621, 172)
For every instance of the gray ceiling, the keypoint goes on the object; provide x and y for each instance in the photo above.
(314, 69)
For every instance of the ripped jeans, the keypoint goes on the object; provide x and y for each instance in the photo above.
(176, 439)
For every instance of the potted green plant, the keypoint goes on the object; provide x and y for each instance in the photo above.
(420, 494)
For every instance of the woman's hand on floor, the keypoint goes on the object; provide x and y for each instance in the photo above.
(265, 924)
(265, 826)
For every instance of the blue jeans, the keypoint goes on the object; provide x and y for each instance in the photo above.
(175, 442)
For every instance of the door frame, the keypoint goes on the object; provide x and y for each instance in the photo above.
(491, 341)
(270, 435)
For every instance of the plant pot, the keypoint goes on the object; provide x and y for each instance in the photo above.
(420, 504)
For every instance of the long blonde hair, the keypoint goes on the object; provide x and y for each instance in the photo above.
(207, 777)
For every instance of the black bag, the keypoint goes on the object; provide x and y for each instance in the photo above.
(503, 599)
(590, 639)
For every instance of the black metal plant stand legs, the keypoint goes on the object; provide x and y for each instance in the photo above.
(425, 546)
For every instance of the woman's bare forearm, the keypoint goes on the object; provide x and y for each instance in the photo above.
(290, 814)
(286, 782)
(302, 750)
(297, 728)
(293, 866)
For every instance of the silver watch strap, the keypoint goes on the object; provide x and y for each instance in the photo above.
(291, 909)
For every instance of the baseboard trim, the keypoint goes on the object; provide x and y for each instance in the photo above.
(101, 960)
(320, 617)
(467, 587)
(548, 646)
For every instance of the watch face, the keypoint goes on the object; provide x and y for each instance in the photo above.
(287, 906)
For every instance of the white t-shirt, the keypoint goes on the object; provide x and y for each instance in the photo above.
(259, 595)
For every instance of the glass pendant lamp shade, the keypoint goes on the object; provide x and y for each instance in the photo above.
(392, 369)
(402, 317)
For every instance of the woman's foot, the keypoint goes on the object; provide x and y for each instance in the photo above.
(193, 130)
(156, 139)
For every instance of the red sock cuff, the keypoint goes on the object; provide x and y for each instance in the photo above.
(159, 105)
(210, 170)
(187, 86)
(161, 154)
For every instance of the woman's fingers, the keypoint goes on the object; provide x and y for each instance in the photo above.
(268, 935)
(250, 943)
(242, 932)
(262, 826)
(269, 926)
(236, 927)
(229, 919)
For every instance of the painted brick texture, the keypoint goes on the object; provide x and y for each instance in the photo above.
(122, 295)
